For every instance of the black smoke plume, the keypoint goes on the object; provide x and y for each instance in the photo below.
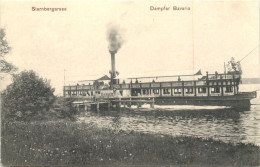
(114, 37)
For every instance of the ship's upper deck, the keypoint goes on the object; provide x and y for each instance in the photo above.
(209, 79)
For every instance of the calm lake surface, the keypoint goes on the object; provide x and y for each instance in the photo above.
(220, 123)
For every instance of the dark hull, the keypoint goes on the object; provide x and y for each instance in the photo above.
(244, 103)
(237, 101)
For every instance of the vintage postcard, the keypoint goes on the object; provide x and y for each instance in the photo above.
(130, 83)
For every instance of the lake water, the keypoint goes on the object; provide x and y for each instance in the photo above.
(220, 123)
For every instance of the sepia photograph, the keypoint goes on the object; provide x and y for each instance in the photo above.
(130, 83)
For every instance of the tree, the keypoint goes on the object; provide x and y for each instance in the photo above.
(5, 66)
(27, 96)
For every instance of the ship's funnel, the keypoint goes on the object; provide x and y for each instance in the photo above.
(113, 64)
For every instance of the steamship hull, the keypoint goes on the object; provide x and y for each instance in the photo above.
(235, 101)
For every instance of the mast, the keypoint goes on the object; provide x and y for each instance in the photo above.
(224, 68)
(64, 85)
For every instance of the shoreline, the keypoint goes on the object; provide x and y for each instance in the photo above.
(71, 143)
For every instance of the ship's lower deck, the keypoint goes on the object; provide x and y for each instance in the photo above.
(241, 100)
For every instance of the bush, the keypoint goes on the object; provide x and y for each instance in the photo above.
(28, 96)
(65, 109)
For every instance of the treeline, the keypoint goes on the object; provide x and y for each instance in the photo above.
(30, 97)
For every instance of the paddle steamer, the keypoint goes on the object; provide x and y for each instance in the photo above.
(218, 89)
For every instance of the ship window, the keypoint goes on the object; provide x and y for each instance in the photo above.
(202, 90)
(215, 90)
(145, 92)
(166, 91)
(156, 91)
(189, 90)
(177, 90)
(229, 89)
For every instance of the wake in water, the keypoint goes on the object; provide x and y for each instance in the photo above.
(180, 107)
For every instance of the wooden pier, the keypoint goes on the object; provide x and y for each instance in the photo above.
(115, 102)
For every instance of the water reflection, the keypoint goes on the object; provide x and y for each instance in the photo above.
(226, 124)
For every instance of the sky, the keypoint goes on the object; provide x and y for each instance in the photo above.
(75, 41)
